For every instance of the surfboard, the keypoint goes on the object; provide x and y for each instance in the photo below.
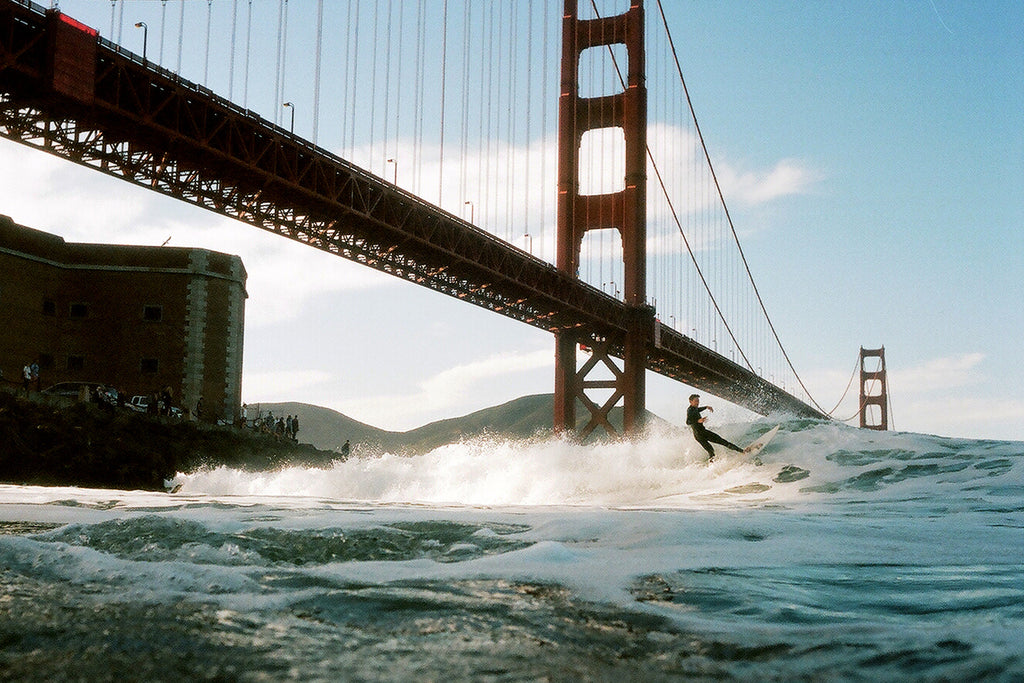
(755, 447)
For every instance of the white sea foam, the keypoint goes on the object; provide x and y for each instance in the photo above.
(909, 540)
(501, 472)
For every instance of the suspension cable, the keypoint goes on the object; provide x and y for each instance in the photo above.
(725, 208)
(847, 390)
(675, 215)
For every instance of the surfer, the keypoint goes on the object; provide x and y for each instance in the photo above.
(704, 436)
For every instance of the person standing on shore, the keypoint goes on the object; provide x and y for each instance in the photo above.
(705, 437)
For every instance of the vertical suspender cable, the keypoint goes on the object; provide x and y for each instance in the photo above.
(544, 133)
(277, 72)
(463, 146)
(527, 171)
(206, 62)
(349, 106)
(181, 32)
(398, 85)
(486, 107)
(284, 67)
(163, 25)
(372, 150)
(231, 67)
(513, 40)
(421, 41)
(444, 70)
(248, 45)
(387, 86)
(316, 70)
(353, 79)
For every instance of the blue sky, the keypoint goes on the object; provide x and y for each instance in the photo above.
(872, 154)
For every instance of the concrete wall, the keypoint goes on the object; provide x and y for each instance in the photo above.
(137, 318)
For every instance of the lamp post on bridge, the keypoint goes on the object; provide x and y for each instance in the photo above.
(292, 107)
(395, 162)
(145, 38)
(472, 211)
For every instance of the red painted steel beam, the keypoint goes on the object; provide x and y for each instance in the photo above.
(145, 125)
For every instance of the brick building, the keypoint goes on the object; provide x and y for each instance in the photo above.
(137, 318)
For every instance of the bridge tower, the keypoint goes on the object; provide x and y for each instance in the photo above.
(868, 395)
(624, 210)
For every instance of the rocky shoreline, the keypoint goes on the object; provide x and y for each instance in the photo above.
(43, 443)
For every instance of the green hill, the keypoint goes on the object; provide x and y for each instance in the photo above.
(328, 429)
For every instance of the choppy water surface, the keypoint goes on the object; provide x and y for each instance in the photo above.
(845, 555)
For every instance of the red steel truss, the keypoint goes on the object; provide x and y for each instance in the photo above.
(67, 92)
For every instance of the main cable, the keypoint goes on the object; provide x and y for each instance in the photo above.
(725, 208)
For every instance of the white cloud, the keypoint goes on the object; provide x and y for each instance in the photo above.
(945, 373)
(787, 177)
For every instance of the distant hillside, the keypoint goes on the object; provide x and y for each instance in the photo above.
(328, 429)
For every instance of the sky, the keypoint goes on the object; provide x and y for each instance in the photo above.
(872, 154)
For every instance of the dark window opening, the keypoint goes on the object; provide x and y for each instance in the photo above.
(149, 366)
(79, 310)
(153, 313)
(49, 307)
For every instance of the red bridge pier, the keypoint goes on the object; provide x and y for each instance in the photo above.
(624, 210)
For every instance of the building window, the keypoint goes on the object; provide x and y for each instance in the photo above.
(76, 362)
(149, 366)
(153, 314)
(49, 307)
(79, 310)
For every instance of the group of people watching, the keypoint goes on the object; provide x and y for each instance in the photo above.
(282, 427)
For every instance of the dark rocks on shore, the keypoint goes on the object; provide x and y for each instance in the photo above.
(86, 445)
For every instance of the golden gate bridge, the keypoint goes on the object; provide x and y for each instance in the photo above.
(603, 223)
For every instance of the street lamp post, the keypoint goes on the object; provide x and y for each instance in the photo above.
(395, 162)
(472, 210)
(292, 107)
(145, 37)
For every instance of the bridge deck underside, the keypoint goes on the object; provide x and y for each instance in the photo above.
(146, 126)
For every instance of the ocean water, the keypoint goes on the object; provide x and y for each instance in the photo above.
(844, 555)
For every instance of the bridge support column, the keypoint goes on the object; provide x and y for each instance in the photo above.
(870, 381)
(624, 211)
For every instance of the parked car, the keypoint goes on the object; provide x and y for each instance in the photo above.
(139, 404)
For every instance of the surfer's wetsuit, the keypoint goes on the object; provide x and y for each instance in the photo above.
(705, 437)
